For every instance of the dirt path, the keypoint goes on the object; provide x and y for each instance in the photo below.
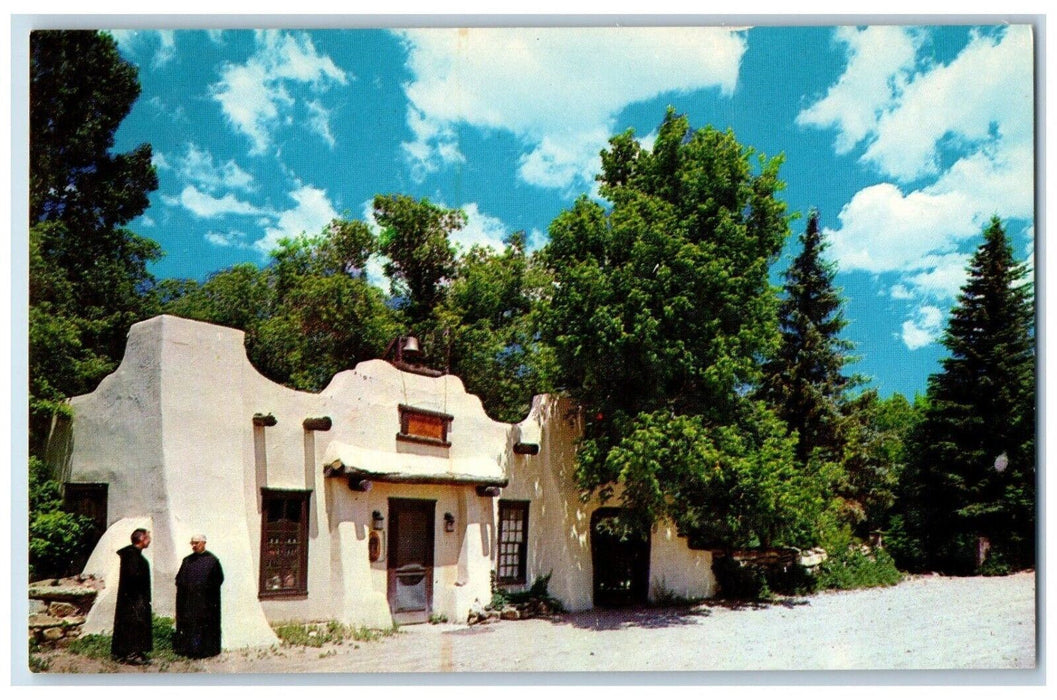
(924, 623)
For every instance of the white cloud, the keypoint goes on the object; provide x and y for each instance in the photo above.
(227, 239)
(905, 112)
(311, 212)
(161, 41)
(198, 166)
(924, 328)
(319, 120)
(879, 60)
(558, 89)
(255, 96)
(883, 230)
(942, 276)
(956, 142)
(901, 291)
(205, 206)
(480, 229)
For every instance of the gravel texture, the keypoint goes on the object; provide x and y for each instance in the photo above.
(929, 622)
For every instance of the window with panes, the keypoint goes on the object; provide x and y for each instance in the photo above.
(513, 542)
(284, 543)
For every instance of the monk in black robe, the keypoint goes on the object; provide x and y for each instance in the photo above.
(133, 637)
(198, 603)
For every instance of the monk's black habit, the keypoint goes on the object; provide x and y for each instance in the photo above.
(132, 623)
(198, 606)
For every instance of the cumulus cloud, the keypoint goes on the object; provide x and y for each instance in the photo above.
(198, 166)
(954, 143)
(227, 239)
(560, 97)
(924, 328)
(203, 205)
(879, 62)
(255, 96)
(311, 212)
(480, 229)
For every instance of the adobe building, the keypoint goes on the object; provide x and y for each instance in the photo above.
(390, 496)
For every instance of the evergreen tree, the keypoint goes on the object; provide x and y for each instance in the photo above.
(975, 448)
(805, 380)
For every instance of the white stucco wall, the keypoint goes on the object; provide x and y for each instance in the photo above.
(172, 434)
(560, 523)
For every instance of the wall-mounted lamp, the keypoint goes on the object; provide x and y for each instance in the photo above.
(377, 521)
(449, 522)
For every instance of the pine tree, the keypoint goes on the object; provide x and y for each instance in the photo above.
(805, 380)
(976, 445)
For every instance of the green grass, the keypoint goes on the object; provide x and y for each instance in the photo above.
(97, 646)
(317, 634)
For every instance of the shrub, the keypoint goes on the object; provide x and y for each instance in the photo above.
(536, 593)
(853, 568)
(56, 538)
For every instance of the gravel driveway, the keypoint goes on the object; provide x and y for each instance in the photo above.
(924, 623)
(932, 622)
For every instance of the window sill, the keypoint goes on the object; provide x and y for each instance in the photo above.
(404, 437)
(282, 595)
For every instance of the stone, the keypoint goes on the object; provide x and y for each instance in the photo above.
(43, 621)
(37, 607)
(509, 613)
(53, 634)
(62, 609)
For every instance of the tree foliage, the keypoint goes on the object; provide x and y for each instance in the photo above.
(489, 320)
(973, 471)
(660, 312)
(307, 315)
(805, 379)
(416, 240)
(89, 279)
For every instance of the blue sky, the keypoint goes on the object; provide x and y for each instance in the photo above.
(907, 140)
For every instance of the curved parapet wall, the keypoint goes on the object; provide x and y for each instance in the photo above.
(187, 433)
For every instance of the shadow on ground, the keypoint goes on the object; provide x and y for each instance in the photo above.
(661, 617)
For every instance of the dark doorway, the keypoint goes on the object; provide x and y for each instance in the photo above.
(410, 564)
(89, 500)
(621, 561)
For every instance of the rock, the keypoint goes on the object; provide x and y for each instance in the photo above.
(43, 621)
(62, 609)
(509, 613)
(53, 634)
(37, 607)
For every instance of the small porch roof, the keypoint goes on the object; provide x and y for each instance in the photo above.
(363, 464)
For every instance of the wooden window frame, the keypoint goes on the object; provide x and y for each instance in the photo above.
(300, 588)
(441, 420)
(509, 507)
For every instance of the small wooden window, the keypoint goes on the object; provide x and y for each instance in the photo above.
(284, 543)
(513, 542)
(427, 427)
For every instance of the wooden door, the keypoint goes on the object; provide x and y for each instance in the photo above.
(410, 562)
(621, 562)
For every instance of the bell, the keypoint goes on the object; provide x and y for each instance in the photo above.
(411, 347)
